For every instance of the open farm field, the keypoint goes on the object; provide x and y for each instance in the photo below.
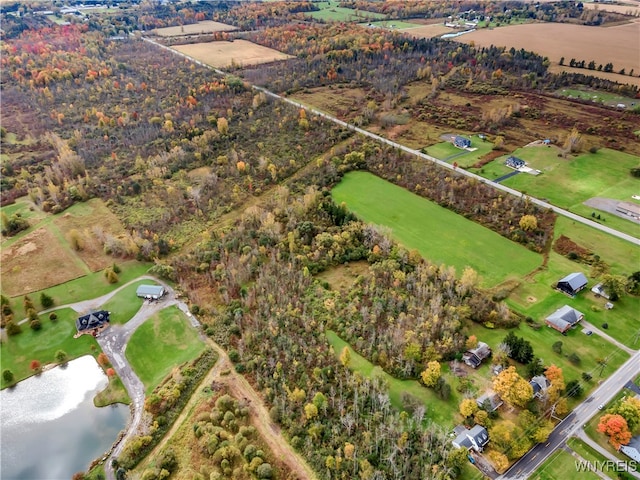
(613, 76)
(426, 31)
(630, 7)
(19, 350)
(391, 24)
(160, 344)
(618, 45)
(224, 54)
(206, 26)
(38, 260)
(437, 233)
(332, 12)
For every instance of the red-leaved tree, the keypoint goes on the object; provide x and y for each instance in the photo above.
(111, 372)
(616, 428)
(35, 365)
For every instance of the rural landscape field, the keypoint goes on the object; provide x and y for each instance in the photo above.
(329, 239)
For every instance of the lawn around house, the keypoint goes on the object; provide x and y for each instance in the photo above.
(448, 152)
(19, 350)
(125, 304)
(440, 235)
(588, 349)
(588, 453)
(562, 464)
(160, 344)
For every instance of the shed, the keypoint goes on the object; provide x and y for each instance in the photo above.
(572, 283)
(150, 291)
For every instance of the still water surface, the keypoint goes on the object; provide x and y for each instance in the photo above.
(49, 426)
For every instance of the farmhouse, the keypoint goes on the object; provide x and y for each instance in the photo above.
(489, 401)
(475, 356)
(153, 292)
(564, 318)
(572, 283)
(540, 384)
(461, 142)
(92, 323)
(475, 438)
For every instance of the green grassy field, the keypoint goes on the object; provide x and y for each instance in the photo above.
(83, 288)
(446, 150)
(588, 348)
(439, 411)
(437, 233)
(125, 303)
(19, 350)
(161, 343)
(588, 453)
(596, 96)
(391, 24)
(561, 464)
(569, 182)
(332, 12)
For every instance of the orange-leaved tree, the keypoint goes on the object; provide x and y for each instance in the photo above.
(615, 426)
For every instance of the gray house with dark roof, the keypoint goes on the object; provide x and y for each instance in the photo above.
(92, 323)
(475, 356)
(564, 318)
(475, 438)
(540, 384)
(461, 142)
(572, 283)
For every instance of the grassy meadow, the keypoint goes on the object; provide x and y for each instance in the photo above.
(18, 351)
(437, 233)
(561, 464)
(160, 344)
(332, 12)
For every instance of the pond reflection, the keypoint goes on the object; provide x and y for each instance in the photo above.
(50, 427)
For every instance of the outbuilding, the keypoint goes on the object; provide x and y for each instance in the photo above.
(150, 292)
(572, 283)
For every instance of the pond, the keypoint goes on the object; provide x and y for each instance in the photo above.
(50, 427)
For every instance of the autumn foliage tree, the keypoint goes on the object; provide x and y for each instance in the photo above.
(431, 374)
(512, 387)
(468, 407)
(616, 428)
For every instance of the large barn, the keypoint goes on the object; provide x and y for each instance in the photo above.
(572, 283)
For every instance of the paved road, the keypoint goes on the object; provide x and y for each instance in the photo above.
(525, 467)
(511, 191)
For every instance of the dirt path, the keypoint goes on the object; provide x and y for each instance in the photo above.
(240, 389)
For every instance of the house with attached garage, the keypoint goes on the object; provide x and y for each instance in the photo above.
(564, 318)
(92, 323)
(572, 283)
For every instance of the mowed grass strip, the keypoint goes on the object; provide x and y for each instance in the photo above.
(18, 351)
(437, 233)
(438, 411)
(161, 343)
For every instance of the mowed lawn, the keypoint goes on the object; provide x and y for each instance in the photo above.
(18, 351)
(561, 465)
(569, 182)
(161, 343)
(588, 349)
(450, 153)
(437, 233)
(125, 304)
